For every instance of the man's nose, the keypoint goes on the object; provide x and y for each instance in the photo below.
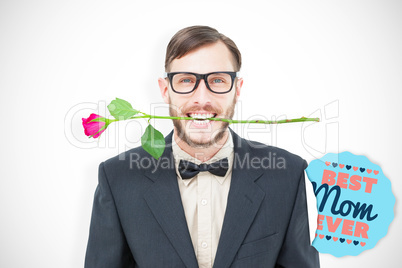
(201, 94)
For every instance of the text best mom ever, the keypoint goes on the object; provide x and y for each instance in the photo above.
(339, 181)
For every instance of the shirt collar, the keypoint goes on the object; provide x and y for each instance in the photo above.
(225, 151)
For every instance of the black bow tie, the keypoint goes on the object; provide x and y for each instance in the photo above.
(189, 169)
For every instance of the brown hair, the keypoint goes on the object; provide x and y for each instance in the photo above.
(193, 37)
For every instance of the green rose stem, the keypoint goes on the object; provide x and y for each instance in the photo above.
(152, 140)
(302, 119)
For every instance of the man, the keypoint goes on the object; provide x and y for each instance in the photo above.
(212, 204)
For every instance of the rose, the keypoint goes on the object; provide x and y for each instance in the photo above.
(94, 125)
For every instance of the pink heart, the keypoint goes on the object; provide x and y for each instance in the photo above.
(321, 236)
(363, 244)
(327, 163)
(335, 238)
(315, 234)
(368, 171)
(355, 168)
(349, 241)
(376, 172)
(341, 165)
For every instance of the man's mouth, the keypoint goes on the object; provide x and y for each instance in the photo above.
(201, 118)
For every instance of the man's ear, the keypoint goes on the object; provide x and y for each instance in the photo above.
(164, 87)
(239, 84)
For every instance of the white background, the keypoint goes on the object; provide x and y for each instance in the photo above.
(62, 60)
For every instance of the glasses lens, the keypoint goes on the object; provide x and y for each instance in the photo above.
(184, 82)
(219, 82)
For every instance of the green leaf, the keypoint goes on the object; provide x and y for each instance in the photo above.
(121, 109)
(153, 142)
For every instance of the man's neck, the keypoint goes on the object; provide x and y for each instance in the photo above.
(202, 154)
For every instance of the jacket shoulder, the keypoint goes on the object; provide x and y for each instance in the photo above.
(126, 162)
(125, 156)
(290, 160)
(137, 159)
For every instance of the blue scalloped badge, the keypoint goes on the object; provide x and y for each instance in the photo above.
(355, 203)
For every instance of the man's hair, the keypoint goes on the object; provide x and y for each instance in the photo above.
(193, 37)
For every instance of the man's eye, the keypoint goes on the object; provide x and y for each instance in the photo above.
(185, 80)
(217, 81)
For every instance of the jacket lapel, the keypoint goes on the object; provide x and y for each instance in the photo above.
(163, 198)
(244, 200)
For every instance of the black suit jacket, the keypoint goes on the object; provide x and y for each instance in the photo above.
(138, 218)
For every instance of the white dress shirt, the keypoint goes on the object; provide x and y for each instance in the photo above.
(204, 199)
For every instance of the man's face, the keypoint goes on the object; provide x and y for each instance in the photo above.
(202, 102)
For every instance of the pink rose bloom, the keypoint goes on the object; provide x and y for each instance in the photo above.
(92, 128)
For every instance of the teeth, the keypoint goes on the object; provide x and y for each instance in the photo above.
(201, 116)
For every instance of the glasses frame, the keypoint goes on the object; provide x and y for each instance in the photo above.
(233, 76)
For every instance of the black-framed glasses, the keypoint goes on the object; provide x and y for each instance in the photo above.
(217, 82)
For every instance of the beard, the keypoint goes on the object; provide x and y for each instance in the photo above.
(216, 136)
